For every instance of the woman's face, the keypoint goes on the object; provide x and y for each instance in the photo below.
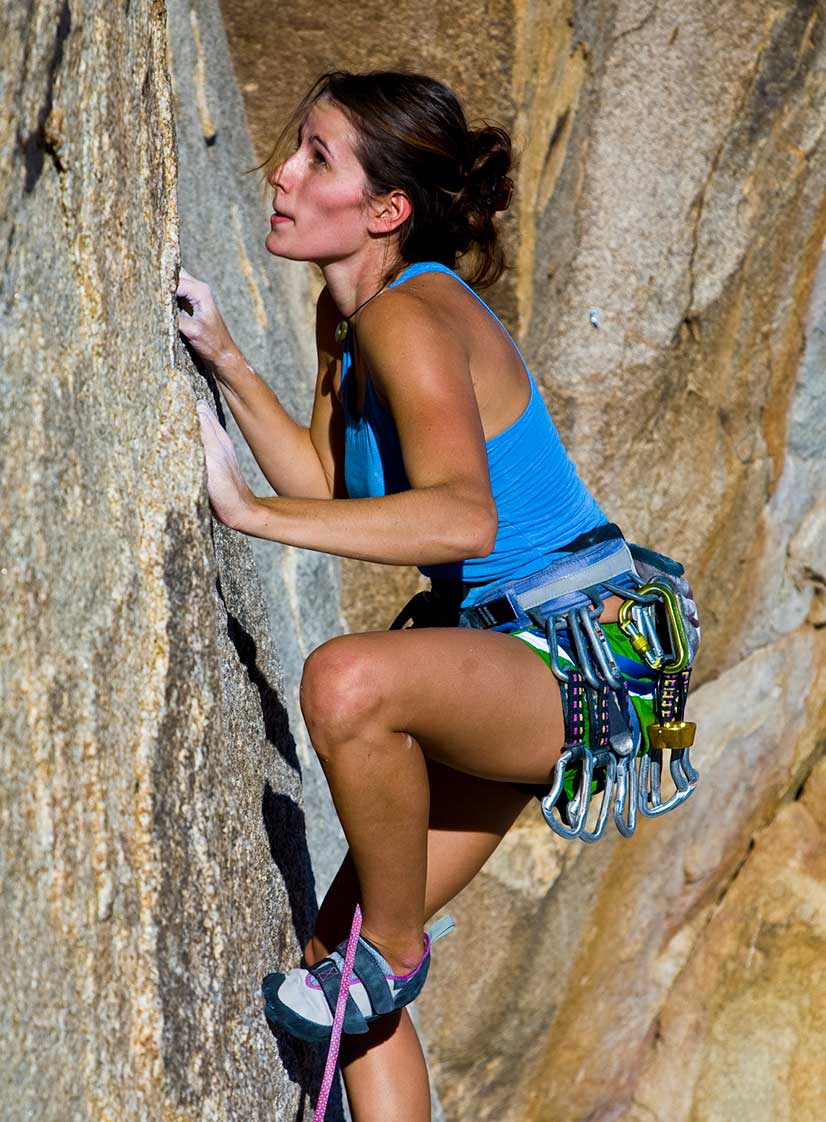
(320, 189)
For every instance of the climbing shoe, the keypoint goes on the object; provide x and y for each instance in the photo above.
(303, 1001)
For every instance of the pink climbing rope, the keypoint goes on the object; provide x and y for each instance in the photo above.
(338, 1018)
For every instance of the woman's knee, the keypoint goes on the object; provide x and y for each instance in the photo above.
(340, 690)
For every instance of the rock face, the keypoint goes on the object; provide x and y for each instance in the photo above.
(154, 863)
(741, 1032)
(672, 177)
(690, 210)
(266, 303)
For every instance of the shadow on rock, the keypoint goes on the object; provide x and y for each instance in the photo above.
(286, 834)
(304, 1064)
(276, 720)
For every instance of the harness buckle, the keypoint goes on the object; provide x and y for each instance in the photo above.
(496, 612)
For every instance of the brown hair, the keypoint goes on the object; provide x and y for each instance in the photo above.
(412, 135)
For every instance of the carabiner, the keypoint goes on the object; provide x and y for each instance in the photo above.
(633, 632)
(680, 649)
(625, 804)
(610, 764)
(642, 616)
(650, 794)
(599, 645)
(681, 760)
(582, 657)
(578, 806)
(553, 649)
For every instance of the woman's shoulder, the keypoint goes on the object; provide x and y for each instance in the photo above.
(437, 299)
(406, 321)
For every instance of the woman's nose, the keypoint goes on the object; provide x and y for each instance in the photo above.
(280, 175)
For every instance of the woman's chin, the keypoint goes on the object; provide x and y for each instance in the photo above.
(271, 245)
(275, 246)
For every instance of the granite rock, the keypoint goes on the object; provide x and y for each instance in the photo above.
(267, 304)
(152, 833)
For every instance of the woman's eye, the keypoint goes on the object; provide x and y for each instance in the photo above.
(320, 158)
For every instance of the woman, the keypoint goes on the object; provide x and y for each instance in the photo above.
(429, 445)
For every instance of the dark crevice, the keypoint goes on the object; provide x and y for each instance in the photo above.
(811, 763)
(276, 721)
(776, 73)
(285, 826)
(781, 70)
(35, 144)
(637, 26)
(8, 281)
(558, 127)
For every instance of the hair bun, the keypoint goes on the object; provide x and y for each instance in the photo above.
(488, 188)
(502, 193)
(488, 177)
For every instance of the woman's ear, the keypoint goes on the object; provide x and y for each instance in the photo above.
(389, 212)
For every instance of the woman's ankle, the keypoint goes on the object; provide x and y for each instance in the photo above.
(403, 954)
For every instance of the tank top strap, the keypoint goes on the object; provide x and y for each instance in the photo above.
(419, 267)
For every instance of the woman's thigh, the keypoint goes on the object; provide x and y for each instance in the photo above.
(481, 702)
(469, 816)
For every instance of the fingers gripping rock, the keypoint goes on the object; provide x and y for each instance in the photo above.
(203, 327)
(229, 495)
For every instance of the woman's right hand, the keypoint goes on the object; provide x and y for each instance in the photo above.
(204, 328)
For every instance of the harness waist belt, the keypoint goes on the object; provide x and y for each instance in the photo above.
(606, 569)
(562, 582)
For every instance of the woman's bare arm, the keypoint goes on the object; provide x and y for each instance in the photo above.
(296, 460)
(422, 372)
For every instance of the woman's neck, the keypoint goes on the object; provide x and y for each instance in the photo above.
(352, 282)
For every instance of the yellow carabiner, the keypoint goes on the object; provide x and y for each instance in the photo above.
(676, 627)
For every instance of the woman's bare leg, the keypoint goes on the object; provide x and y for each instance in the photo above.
(385, 1072)
(376, 705)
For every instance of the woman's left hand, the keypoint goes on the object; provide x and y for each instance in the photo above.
(229, 496)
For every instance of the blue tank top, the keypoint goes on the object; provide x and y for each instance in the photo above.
(541, 501)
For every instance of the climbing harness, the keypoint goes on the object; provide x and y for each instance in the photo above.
(658, 616)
